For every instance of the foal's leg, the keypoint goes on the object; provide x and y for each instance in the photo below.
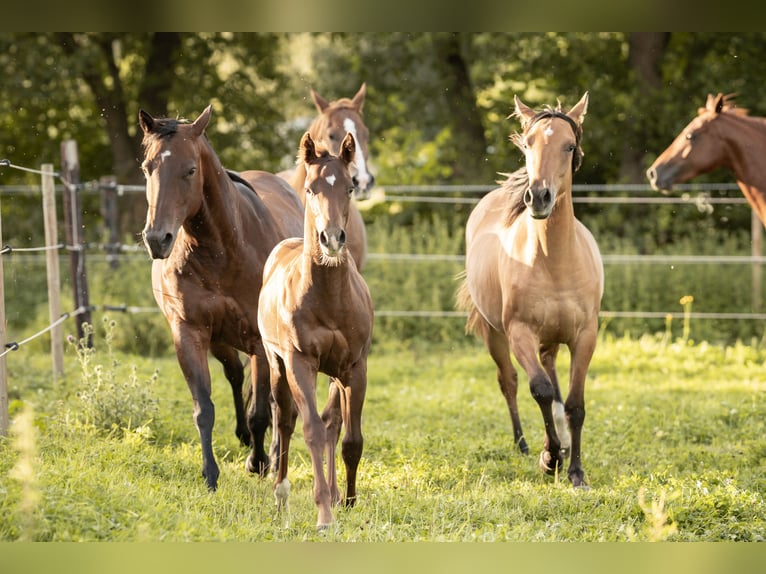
(284, 425)
(507, 378)
(525, 346)
(259, 414)
(302, 378)
(352, 402)
(235, 374)
(332, 418)
(582, 353)
(191, 351)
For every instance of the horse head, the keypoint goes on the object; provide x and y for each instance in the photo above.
(328, 195)
(551, 144)
(174, 174)
(696, 149)
(335, 120)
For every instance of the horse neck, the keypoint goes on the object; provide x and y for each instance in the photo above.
(297, 181)
(219, 219)
(744, 140)
(554, 236)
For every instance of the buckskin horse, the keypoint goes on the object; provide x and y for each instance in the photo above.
(534, 280)
(315, 315)
(209, 232)
(721, 135)
(329, 128)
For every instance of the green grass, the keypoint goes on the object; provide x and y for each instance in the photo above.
(673, 447)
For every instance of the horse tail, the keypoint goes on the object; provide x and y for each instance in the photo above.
(475, 323)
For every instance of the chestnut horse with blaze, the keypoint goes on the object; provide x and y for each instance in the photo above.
(315, 315)
(721, 135)
(534, 281)
(209, 232)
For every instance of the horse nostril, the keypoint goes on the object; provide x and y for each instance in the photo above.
(323, 238)
(528, 196)
(341, 238)
(355, 181)
(651, 174)
(547, 195)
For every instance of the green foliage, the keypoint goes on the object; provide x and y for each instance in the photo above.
(109, 398)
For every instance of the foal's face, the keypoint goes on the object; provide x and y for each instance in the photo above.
(328, 189)
(697, 149)
(173, 178)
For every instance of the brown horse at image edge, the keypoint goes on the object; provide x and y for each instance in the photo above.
(534, 280)
(721, 135)
(209, 232)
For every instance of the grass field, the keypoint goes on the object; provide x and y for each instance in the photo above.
(673, 447)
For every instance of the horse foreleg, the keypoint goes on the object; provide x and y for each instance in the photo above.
(302, 378)
(193, 361)
(507, 378)
(548, 359)
(525, 345)
(353, 441)
(582, 353)
(332, 418)
(259, 414)
(235, 374)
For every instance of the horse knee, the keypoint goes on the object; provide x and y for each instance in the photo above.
(542, 389)
(576, 415)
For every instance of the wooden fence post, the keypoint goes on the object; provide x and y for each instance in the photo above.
(756, 234)
(70, 172)
(111, 216)
(52, 265)
(4, 416)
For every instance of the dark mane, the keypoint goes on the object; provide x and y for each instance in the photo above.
(163, 128)
(235, 177)
(514, 186)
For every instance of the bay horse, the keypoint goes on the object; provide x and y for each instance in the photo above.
(721, 135)
(329, 128)
(315, 315)
(209, 232)
(534, 280)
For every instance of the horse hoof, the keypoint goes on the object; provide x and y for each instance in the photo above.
(523, 446)
(545, 462)
(256, 467)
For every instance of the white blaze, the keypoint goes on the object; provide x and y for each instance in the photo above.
(330, 179)
(361, 165)
(165, 155)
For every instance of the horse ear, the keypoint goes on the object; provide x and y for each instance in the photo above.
(718, 103)
(307, 150)
(320, 103)
(146, 121)
(710, 102)
(523, 111)
(199, 125)
(348, 148)
(578, 111)
(358, 99)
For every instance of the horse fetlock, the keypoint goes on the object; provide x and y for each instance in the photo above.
(257, 465)
(281, 492)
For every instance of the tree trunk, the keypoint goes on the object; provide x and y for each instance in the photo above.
(461, 102)
(645, 53)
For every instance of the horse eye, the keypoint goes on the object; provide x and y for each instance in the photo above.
(350, 190)
(571, 147)
(192, 171)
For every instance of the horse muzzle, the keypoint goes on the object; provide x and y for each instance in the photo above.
(363, 186)
(158, 243)
(661, 177)
(332, 241)
(539, 202)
